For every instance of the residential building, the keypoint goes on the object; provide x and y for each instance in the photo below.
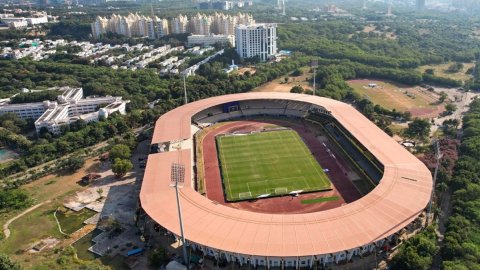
(209, 40)
(161, 27)
(200, 24)
(179, 24)
(258, 40)
(134, 25)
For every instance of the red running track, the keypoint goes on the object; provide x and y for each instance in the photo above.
(342, 187)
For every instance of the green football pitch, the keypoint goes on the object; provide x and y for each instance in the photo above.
(268, 164)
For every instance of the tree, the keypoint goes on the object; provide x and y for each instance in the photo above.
(158, 257)
(74, 163)
(297, 89)
(14, 199)
(120, 151)
(7, 264)
(418, 128)
(442, 97)
(121, 167)
(450, 108)
(297, 72)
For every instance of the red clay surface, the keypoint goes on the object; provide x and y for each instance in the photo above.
(341, 185)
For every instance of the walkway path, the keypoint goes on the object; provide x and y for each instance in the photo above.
(6, 231)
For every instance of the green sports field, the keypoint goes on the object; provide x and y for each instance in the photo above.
(268, 164)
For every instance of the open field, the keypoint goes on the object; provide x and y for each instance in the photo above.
(268, 164)
(418, 101)
(441, 71)
(279, 85)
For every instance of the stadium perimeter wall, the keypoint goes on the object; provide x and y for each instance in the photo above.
(289, 240)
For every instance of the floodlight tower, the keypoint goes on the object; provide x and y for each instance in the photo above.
(177, 178)
(185, 89)
(438, 156)
(314, 66)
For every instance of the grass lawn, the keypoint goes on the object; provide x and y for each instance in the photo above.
(268, 164)
(84, 243)
(32, 227)
(441, 71)
(71, 221)
(322, 199)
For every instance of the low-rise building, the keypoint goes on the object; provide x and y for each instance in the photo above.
(69, 107)
(209, 40)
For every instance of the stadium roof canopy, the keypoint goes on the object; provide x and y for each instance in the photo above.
(401, 196)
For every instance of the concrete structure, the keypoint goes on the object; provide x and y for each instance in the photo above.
(209, 40)
(69, 107)
(282, 240)
(257, 40)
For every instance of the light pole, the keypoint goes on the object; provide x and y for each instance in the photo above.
(177, 178)
(438, 156)
(185, 88)
(314, 66)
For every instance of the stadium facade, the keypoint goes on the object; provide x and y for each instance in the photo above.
(282, 240)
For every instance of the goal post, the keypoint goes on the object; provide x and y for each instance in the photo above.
(281, 190)
(244, 195)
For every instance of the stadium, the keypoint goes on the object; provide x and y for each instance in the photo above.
(281, 180)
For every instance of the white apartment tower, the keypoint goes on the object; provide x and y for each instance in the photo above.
(256, 40)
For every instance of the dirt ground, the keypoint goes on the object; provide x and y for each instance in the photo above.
(341, 185)
(279, 85)
(53, 186)
(242, 70)
(417, 100)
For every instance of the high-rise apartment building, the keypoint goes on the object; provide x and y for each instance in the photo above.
(201, 24)
(257, 40)
(135, 25)
(162, 27)
(179, 24)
